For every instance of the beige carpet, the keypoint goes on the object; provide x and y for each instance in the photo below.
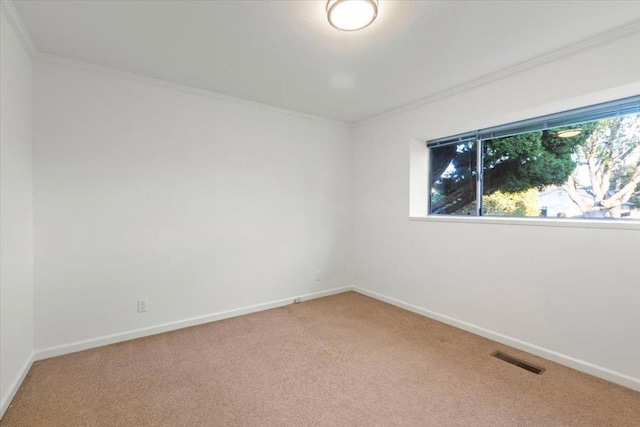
(345, 360)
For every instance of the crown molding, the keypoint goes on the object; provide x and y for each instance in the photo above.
(14, 19)
(590, 43)
(16, 22)
(624, 31)
(55, 59)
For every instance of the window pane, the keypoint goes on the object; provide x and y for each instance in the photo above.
(591, 170)
(453, 181)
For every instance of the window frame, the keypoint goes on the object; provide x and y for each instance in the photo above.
(611, 109)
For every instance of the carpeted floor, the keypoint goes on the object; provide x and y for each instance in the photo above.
(345, 360)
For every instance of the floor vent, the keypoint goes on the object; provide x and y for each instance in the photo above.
(519, 363)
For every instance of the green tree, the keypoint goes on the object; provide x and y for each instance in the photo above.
(521, 203)
(511, 164)
(608, 171)
(599, 168)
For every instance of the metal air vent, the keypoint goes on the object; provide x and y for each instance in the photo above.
(517, 362)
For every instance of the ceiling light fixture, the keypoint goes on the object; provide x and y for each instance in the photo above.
(568, 133)
(351, 15)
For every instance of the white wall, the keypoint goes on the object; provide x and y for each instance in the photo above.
(199, 204)
(16, 213)
(204, 205)
(562, 292)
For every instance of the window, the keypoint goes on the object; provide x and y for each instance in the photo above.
(582, 163)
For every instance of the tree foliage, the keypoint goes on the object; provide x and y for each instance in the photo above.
(522, 203)
(608, 172)
(511, 164)
(599, 168)
(530, 160)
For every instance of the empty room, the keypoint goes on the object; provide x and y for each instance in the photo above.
(319, 213)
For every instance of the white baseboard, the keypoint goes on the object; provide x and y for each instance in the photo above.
(580, 365)
(15, 385)
(179, 324)
(589, 368)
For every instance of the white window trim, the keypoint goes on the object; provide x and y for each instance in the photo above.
(627, 224)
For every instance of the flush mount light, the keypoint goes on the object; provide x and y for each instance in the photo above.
(351, 15)
(568, 133)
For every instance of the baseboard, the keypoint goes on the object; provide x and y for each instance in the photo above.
(179, 324)
(580, 365)
(15, 385)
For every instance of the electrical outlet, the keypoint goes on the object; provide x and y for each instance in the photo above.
(142, 305)
(318, 276)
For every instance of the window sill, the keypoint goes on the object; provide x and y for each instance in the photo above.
(631, 224)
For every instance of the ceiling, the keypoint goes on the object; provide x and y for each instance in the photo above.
(285, 54)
